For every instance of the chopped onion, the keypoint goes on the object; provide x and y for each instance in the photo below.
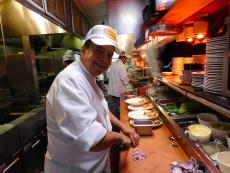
(138, 155)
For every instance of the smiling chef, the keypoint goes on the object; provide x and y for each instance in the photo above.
(78, 119)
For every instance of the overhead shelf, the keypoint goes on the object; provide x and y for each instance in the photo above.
(217, 103)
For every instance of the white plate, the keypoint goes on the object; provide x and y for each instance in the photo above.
(144, 107)
(137, 101)
(166, 73)
(152, 125)
(140, 115)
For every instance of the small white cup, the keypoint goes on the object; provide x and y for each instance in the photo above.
(228, 140)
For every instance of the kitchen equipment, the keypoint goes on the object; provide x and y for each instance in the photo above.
(200, 133)
(206, 118)
(223, 161)
(212, 148)
(142, 127)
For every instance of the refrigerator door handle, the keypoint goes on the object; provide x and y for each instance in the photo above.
(11, 164)
(36, 143)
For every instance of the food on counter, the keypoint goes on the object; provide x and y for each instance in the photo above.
(190, 166)
(206, 118)
(220, 130)
(185, 107)
(200, 133)
(190, 106)
(151, 113)
(143, 114)
(137, 101)
(223, 161)
(143, 107)
(221, 126)
(157, 121)
(171, 108)
(148, 106)
(138, 154)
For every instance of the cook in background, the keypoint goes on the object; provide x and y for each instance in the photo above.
(67, 60)
(118, 79)
(78, 119)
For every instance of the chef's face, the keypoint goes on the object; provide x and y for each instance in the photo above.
(96, 59)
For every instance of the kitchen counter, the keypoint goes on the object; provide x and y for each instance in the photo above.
(158, 149)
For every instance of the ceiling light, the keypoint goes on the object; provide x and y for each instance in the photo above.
(188, 33)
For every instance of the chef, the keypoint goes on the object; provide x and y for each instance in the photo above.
(78, 119)
(67, 60)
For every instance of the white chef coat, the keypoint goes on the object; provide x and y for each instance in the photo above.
(77, 119)
(118, 78)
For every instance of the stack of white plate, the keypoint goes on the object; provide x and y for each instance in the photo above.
(198, 79)
(213, 80)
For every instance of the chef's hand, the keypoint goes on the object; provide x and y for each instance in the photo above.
(134, 137)
(125, 142)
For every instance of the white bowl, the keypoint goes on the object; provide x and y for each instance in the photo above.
(200, 133)
(206, 118)
(223, 160)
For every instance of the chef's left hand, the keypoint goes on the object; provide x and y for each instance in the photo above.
(133, 136)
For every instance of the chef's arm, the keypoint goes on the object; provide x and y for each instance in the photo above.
(117, 123)
(126, 131)
(111, 138)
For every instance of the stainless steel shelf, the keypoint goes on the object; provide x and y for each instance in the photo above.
(221, 105)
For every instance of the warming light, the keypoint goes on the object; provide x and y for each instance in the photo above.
(188, 33)
(200, 29)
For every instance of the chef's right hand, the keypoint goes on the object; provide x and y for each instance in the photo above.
(125, 142)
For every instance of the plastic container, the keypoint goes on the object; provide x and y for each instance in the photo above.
(220, 130)
(223, 161)
(206, 118)
(199, 133)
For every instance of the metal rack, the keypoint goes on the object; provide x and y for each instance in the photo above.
(219, 104)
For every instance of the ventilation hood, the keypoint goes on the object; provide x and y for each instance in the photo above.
(17, 20)
(164, 30)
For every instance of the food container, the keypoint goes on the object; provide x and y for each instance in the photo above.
(143, 127)
(199, 133)
(142, 90)
(220, 130)
(223, 161)
(212, 148)
(206, 118)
